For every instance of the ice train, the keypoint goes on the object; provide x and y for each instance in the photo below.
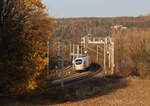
(81, 63)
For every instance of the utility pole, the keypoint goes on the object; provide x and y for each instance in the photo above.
(47, 59)
(105, 55)
(110, 55)
(113, 56)
(97, 54)
(73, 53)
(62, 62)
(81, 49)
(78, 51)
(70, 51)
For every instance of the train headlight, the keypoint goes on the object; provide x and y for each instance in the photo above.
(108, 52)
(85, 52)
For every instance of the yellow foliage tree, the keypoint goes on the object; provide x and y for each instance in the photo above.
(23, 46)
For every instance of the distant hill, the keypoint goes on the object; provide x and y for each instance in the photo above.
(74, 28)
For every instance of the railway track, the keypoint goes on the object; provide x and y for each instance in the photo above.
(75, 78)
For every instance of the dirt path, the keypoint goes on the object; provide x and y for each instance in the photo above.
(137, 93)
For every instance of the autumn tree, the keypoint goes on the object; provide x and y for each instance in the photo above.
(24, 29)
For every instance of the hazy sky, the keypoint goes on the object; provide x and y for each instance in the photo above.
(97, 8)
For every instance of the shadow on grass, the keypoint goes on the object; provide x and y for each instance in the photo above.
(83, 90)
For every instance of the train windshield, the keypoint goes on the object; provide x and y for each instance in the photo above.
(78, 62)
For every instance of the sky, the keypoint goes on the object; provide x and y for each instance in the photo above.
(96, 8)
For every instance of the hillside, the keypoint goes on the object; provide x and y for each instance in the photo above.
(130, 91)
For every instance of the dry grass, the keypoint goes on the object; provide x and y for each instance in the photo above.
(136, 94)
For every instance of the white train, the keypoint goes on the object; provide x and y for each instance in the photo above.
(81, 63)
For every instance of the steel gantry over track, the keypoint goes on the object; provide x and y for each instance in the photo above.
(108, 50)
(106, 44)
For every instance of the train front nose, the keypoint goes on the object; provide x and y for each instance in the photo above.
(79, 67)
(79, 64)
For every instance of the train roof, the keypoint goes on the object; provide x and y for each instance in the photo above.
(82, 58)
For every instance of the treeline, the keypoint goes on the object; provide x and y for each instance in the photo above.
(74, 28)
(24, 30)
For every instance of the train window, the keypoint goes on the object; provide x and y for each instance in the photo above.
(79, 61)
